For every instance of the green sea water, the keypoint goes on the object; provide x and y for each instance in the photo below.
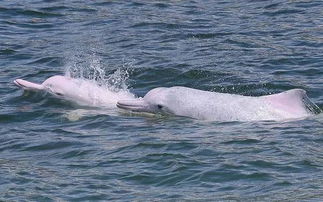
(54, 151)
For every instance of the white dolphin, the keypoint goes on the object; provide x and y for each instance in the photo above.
(80, 91)
(198, 104)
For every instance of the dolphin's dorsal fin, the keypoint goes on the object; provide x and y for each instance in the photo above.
(293, 101)
(26, 85)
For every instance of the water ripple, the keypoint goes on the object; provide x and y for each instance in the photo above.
(52, 150)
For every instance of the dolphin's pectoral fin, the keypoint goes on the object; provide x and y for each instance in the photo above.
(26, 85)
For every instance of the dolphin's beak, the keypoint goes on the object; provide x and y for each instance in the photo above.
(137, 105)
(28, 85)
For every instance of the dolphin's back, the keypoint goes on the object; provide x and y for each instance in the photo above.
(227, 107)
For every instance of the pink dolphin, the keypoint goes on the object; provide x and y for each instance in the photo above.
(198, 104)
(79, 91)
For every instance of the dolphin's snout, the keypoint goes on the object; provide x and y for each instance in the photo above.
(28, 85)
(137, 105)
(17, 82)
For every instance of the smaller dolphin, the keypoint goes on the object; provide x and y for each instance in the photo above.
(198, 104)
(80, 91)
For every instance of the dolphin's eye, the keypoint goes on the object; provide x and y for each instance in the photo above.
(59, 94)
(159, 106)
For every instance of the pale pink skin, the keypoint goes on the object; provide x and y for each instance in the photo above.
(214, 106)
(181, 101)
(79, 91)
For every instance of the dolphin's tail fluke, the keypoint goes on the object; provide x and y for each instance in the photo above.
(26, 85)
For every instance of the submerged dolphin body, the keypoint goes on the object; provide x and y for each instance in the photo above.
(80, 91)
(198, 104)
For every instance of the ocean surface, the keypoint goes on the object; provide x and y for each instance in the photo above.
(55, 151)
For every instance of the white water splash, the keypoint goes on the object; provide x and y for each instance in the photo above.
(90, 67)
(95, 84)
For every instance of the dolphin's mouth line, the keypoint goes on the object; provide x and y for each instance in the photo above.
(19, 84)
(133, 105)
(129, 107)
